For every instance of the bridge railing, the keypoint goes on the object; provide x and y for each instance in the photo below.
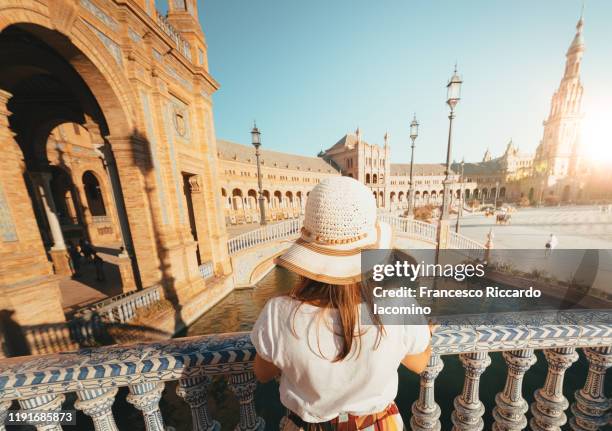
(271, 232)
(414, 229)
(122, 308)
(42, 382)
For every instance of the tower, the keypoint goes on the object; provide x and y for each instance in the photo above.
(557, 155)
(183, 16)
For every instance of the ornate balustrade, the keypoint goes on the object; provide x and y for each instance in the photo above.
(181, 44)
(273, 232)
(95, 374)
(122, 308)
(458, 241)
(207, 269)
(414, 229)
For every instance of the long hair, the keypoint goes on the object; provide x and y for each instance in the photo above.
(347, 299)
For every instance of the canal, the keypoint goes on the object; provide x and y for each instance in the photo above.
(239, 310)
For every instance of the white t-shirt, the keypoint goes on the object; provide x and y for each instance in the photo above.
(312, 385)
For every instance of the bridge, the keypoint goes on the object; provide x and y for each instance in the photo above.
(252, 253)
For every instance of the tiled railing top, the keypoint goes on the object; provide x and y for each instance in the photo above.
(111, 366)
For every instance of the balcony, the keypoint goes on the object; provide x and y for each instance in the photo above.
(42, 382)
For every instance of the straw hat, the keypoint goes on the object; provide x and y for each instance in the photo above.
(339, 222)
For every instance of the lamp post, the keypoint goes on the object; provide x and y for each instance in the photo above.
(453, 92)
(460, 210)
(414, 133)
(496, 195)
(256, 141)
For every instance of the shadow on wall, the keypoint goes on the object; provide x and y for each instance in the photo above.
(149, 168)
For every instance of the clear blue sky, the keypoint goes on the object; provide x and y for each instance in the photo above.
(310, 71)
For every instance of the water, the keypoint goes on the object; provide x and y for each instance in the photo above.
(239, 310)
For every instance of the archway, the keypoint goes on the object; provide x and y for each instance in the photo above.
(48, 81)
(565, 196)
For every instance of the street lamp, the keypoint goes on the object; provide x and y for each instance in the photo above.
(256, 141)
(414, 133)
(461, 200)
(496, 194)
(453, 92)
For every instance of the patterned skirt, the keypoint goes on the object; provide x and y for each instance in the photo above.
(386, 420)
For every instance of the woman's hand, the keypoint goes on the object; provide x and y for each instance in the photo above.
(418, 362)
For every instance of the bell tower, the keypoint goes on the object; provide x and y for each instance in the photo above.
(557, 156)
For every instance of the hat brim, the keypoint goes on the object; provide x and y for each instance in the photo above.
(328, 266)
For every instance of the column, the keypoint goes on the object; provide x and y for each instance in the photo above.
(194, 390)
(425, 411)
(132, 162)
(591, 406)
(98, 403)
(58, 252)
(468, 412)
(243, 385)
(199, 210)
(550, 404)
(145, 397)
(44, 403)
(510, 409)
(130, 277)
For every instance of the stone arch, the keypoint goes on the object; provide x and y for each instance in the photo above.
(367, 178)
(502, 192)
(85, 53)
(277, 199)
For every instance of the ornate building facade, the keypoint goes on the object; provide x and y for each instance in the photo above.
(107, 136)
(556, 171)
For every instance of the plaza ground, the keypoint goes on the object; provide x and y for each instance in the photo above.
(576, 227)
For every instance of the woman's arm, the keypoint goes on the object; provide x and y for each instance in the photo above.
(264, 370)
(418, 362)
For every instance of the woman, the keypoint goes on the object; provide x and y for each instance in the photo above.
(335, 372)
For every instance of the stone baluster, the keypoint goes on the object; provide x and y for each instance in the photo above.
(4, 407)
(145, 397)
(509, 413)
(243, 385)
(591, 405)
(44, 403)
(194, 391)
(468, 412)
(98, 403)
(425, 410)
(550, 404)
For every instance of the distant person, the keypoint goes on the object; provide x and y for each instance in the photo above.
(99, 265)
(551, 244)
(75, 259)
(335, 373)
(87, 249)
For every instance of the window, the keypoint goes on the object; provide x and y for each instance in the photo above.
(93, 194)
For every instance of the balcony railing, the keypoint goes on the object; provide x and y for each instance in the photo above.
(207, 269)
(181, 44)
(272, 232)
(122, 308)
(40, 383)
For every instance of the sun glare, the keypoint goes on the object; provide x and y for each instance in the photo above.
(597, 135)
